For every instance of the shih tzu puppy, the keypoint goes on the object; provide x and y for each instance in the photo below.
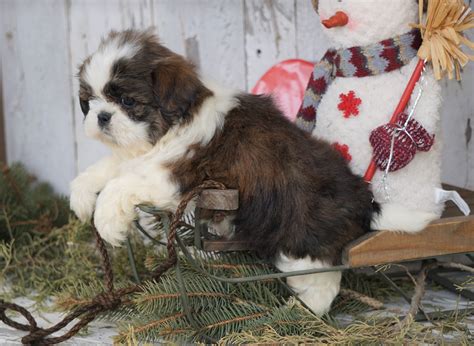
(169, 130)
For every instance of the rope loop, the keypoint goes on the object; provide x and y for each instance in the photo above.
(4, 306)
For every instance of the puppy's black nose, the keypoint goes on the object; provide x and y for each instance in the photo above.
(104, 118)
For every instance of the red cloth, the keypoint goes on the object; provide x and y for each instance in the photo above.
(406, 143)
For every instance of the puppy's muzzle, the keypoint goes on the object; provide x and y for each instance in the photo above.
(104, 118)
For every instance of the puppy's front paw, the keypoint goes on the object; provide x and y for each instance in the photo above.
(82, 201)
(114, 213)
(146, 221)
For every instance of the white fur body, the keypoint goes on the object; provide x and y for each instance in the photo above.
(409, 203)
(317, 291)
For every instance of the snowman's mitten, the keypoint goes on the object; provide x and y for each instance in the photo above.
(395, 145)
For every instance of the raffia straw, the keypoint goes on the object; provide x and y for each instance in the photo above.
(446, 20)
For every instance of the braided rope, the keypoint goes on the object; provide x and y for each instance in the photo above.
(109, 300)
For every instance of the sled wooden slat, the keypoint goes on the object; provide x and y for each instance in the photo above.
(218, 199)
(442, 237)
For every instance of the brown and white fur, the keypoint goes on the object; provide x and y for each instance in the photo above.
(169, 130)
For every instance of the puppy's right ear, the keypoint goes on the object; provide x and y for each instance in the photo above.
(177, 87)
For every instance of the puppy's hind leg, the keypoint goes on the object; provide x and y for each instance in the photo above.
(317, 291)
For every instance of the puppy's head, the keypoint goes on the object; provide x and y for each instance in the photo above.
(133, 90)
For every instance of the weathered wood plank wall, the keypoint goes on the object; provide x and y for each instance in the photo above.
(37, 88)
(3, 154)
(234, 41)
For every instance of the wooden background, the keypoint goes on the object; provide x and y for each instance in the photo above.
(233, 41)
(3, 153)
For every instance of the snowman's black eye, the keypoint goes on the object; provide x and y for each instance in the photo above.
(84, 106)
(128, 102)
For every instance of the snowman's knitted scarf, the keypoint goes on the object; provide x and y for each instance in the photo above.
(371, 60)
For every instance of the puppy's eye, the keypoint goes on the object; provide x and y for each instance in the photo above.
(128, 101)
(84, 106)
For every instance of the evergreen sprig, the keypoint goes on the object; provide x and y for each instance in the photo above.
(28, 208)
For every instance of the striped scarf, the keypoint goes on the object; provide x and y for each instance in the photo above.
(371, 60)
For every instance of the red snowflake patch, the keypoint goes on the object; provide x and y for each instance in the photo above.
(349, 104)
(344, 150)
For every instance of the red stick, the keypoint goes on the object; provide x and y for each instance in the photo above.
(369, 174)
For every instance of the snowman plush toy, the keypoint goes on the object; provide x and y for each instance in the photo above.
(352, 94)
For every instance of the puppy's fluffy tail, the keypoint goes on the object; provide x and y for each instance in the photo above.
(395, 217)
(368, 208)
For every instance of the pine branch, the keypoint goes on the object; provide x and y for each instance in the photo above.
(52, 253)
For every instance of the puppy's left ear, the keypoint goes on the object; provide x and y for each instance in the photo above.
(177, 87)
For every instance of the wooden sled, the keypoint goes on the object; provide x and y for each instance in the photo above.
(452, 234)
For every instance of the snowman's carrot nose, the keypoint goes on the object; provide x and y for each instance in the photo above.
(339, 19)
